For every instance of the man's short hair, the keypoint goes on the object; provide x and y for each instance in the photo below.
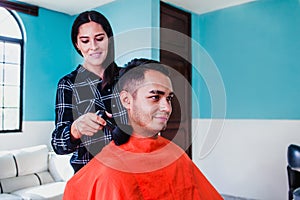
(134, 73)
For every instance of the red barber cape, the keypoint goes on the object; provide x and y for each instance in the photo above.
(143, 168)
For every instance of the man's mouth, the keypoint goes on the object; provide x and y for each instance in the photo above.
(162, 118)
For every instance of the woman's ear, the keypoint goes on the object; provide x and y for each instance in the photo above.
(125, 98)
(77, 47)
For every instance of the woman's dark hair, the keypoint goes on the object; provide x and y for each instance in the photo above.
(109, 62)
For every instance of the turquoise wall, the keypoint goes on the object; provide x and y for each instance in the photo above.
(256, 49)
(244, 57)
(129, 15)
(48, 55)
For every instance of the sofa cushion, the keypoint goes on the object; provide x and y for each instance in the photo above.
(16, 183)
(51, 191)
(59, 167)
(10, 197)
(45, 177)
(8, 166)
(31, 159)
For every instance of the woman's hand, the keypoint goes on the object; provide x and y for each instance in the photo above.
(87, 124)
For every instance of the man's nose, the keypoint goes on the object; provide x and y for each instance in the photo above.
(165, 105)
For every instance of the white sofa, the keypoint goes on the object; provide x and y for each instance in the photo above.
(33, 173)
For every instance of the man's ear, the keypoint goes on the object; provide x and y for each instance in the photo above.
(125, 98)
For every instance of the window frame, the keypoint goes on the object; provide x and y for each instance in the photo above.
(21, 43)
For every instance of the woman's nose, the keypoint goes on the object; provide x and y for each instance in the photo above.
(94, 45)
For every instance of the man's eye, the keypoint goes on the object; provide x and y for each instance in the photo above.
(155, 98)
(170, 98)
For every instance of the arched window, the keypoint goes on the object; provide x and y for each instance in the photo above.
(11, 72)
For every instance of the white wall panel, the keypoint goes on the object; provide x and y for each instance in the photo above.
(249, 159)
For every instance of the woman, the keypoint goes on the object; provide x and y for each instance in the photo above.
(85, 90)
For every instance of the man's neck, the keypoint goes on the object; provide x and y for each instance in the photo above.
(147, 135)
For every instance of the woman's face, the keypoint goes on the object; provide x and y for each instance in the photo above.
(92, 41)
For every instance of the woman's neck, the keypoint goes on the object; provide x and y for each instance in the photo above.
(98, 70)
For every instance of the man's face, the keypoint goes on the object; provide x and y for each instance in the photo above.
(150, 106)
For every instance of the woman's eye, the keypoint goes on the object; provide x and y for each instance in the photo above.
(84, 41)
(100, 39)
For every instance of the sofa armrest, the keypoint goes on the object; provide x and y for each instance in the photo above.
(60, 167)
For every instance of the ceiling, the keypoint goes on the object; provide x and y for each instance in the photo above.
(72, 8)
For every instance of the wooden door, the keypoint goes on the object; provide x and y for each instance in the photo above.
(175, 51)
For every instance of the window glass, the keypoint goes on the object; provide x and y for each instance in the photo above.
(9, 75)
(11, 55)
(8, 25)
(10, 118)
(10, 97)
(1, 50)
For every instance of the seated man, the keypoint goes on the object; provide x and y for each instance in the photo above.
(147, 166)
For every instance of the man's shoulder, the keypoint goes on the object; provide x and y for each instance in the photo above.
(108, 155)
(170, 144)
(91, 172)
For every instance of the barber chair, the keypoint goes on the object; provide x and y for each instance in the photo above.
(293, 171)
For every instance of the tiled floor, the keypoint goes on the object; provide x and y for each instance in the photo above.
(229, 197)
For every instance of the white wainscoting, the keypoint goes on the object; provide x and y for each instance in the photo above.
(34, 133)
(249, 158)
